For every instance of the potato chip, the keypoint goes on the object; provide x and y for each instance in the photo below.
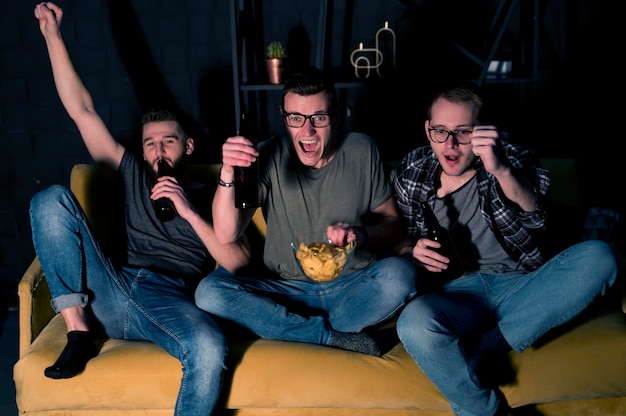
(322, 262)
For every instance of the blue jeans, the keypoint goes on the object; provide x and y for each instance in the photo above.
(130, 303)
(307, 311)
(524, 306)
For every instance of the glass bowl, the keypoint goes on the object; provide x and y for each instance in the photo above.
(320, 260)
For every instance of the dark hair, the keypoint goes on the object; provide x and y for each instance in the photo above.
(311, 80)
(156, 115)
(462, 92)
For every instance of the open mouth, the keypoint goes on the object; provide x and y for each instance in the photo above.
(308, 146)
(451, 158)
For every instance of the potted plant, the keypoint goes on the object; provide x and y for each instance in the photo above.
(276, 62)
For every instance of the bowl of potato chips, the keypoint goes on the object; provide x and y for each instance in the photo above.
(321, 260)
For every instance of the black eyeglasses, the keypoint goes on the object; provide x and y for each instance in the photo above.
(442, 135)
(298, 120)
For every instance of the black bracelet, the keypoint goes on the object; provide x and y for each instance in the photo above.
(363, 231)
(220, 182)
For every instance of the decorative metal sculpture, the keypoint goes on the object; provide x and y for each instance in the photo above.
(361, 58)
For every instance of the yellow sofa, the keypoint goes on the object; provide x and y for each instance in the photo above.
(579, 371)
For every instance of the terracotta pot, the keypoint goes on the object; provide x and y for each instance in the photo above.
(276, 69)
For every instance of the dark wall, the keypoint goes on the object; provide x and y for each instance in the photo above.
(137, 54)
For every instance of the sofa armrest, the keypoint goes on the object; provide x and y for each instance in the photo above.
(34, 305)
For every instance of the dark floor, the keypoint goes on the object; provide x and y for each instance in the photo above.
(8, 357)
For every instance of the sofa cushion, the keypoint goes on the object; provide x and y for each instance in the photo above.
(125, 375)
(586, 362)
(581, 360)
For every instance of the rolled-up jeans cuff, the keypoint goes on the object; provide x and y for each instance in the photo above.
(67, 301)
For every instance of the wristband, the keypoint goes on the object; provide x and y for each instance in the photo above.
(220, 182)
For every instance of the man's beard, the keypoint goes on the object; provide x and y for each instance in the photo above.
(177, 171)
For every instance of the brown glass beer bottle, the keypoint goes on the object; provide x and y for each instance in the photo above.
(247, 178)
(440, 234)
(164, 207)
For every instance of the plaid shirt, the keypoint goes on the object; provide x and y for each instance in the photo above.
(417, 179)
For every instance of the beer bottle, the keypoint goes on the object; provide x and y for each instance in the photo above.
(247, 178)
(164, 207)
(440, 234)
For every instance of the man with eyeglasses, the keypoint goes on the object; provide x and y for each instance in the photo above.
(492, 197)
(312, 179)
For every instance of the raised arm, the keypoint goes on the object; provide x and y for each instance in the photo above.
(75, 98)
(517, 188)
(230, 222)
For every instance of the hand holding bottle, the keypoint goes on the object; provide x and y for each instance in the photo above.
(446, 248)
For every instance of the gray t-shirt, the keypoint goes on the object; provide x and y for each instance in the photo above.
(477, 245)
(171, 247)
(299, 200)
